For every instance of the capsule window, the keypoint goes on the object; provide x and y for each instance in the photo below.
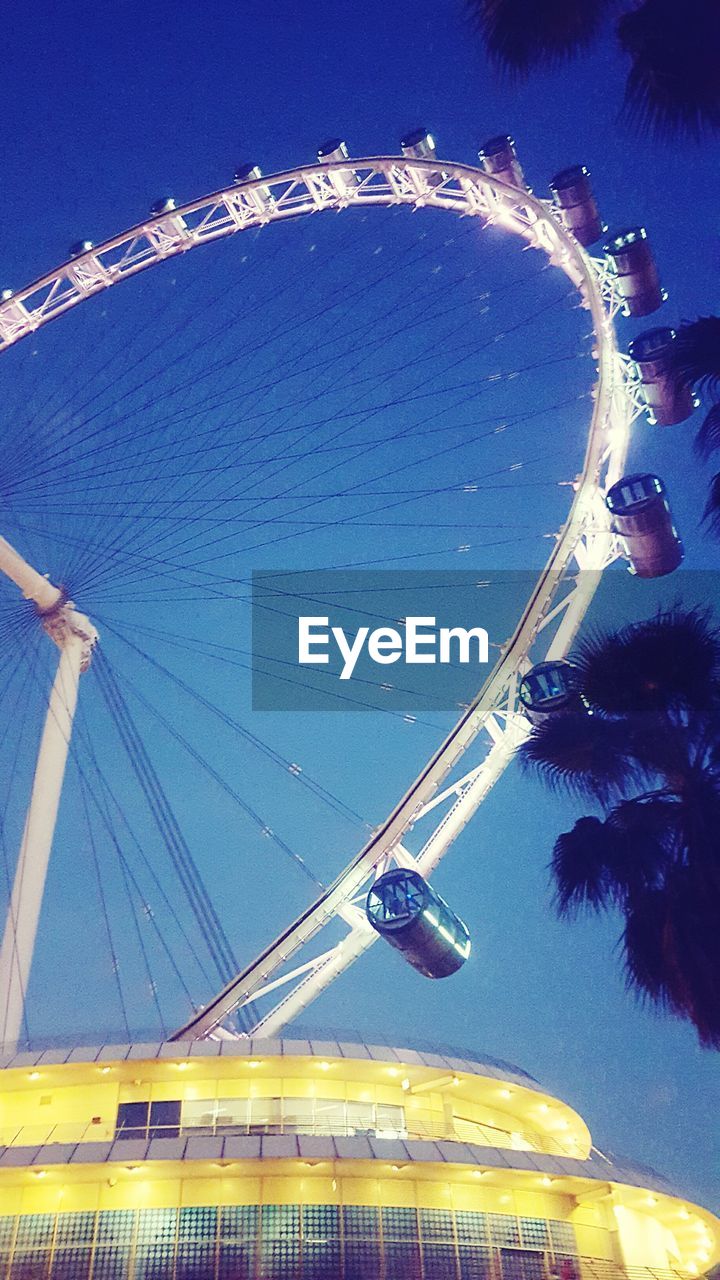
(631, 491)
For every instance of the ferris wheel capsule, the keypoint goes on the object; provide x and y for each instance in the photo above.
(260, 198)
(668, 401)
(499, 158)
(548, 687)
(166, 204)
(642, 519)
(633, 265)
(419, 144)
(404, 909)
(340, 179)
(80, 247)
(575, 202)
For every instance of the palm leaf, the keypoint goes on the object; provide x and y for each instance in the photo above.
(646, 667)
(673, 86)
(672, 951)
(522, 34)
(643, 951)
(711, 514)
(582, 866)
(707, 440)
(694, 356)
(580, 753)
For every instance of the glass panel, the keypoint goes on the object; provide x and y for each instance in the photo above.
(132, 1119)
(111, 1264)
(155, 1262)
(360, 1118)
(199, 1113)
(157, 1226)
(233, 1111)
(562, 1236)
(436, 1224)
(198, 1223)
(504, 1229)
(115, 1226)
(298, 1114)
(389, 1121)
(399, 1224)
(75, 1228)
(330, 1116)
(265, 1115)
(195, 1261)
(518, 1265)
(402, 1260)
(439, 1262)
(71, 1264)
(534, 1233)
(362, 1259)
(35, 1230)
(320, 1222)
(239, 1221)
(321, 1260)
(7, 1228)
(361, 1220)
(164, 1119)
(471, 1227)
(236, 1261)
(30, 1266)
(475, 1264)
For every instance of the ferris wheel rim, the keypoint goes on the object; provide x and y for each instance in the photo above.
(495, 202)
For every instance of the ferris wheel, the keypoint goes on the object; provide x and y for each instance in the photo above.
(295, 967)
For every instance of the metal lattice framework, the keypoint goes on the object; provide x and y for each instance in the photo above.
(444, 796)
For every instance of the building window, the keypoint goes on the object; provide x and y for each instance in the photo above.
(148, 1119)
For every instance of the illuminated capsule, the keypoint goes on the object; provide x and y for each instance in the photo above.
(259, 197)
(641, 518)
(575, 202)
(667, 401)
(548, 687)
(165, 204)
(411, 916)
(632, 263)
(420, 145)
(80, 247)
(341, 179)
(499, 159)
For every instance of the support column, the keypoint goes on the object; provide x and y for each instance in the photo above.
(29, 884)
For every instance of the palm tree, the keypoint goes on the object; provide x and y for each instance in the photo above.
(674, 47)
(642, 741)
(694, 359)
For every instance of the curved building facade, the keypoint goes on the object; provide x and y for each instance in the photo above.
(318, 1160)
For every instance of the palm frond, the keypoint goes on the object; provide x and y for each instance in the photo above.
(671, 947)
(711, 514)
(582, 754)
(673, 87)
(646, 667)
(707, 440)
(582, 866)
(522, 34)
(694, 356)
(650, 829)
(643, 952)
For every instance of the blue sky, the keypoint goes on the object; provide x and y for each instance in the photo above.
(104, 111)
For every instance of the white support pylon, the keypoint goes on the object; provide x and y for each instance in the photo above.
(75, 636)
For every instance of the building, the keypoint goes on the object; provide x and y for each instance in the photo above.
(322, 1161)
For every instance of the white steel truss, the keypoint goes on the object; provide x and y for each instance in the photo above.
(584, 546)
